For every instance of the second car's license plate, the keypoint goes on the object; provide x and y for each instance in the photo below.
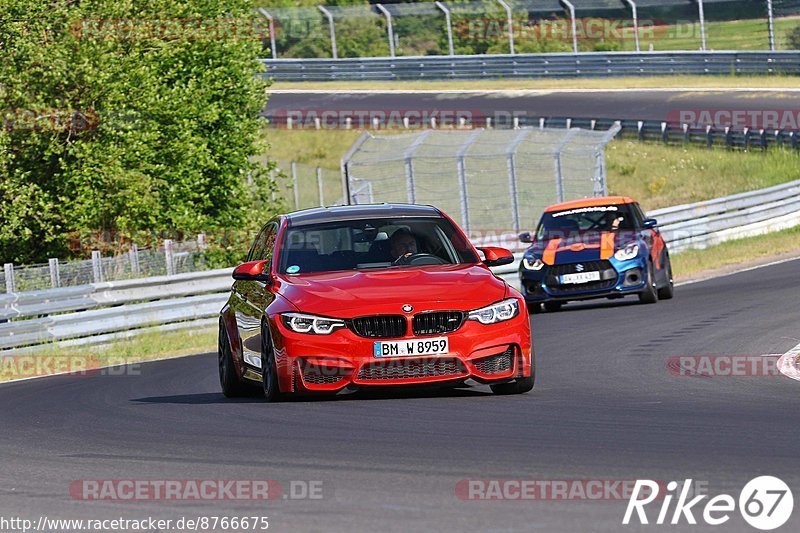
(435, 346)
(580, 277)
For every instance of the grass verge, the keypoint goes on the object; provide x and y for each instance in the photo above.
(656, 82)
(85, 360)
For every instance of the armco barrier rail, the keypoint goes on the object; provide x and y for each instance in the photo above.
(102, 312)
(588, 64)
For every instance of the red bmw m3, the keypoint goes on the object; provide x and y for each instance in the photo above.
(346, 298)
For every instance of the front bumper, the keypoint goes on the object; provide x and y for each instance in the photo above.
(618, 278)
(328, 363)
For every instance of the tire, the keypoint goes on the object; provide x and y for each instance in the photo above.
(269, 370)
(518, 386)
(534, 309)
(552, 307)
(232, 386)
(668, 291)
(650, 294)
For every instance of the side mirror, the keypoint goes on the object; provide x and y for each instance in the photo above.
(526, 237)
(649, 223)
(496, 256)
(252, 271)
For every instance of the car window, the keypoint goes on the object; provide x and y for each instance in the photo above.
(563, 224)
(264, 244)
(373, 243)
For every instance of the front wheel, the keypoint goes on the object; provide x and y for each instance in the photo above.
(667, 292)
(269, 370)
(552, 307)
(518, 386)
(650, 294)
(232, 386)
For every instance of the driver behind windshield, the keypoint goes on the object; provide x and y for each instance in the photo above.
(402, 243)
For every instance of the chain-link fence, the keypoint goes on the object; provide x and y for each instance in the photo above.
(531, 26)
(485, 179)
(171, 258)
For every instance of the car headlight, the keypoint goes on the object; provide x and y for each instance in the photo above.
(536, 264)
(317, 325)
(499, 312)
(629, 252)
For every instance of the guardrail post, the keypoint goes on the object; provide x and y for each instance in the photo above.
(97, 266)
(635, 15)
(295, 188)
(709, 136)
(746, 138)
(793, 140)
(510, 18)
(665, 133)
(573, 23)
(11, 285)
(389, 27)
(728, 137)
(133, 255)
(762, 137)
(771, 25)
(271, 31)
(448, 25)
(702, 15)
(331, 24)
(640, 129)
(169, 257)
(686, 137)
(55, 273)
(319, 188)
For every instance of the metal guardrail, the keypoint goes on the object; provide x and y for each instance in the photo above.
(559, 65)
(102, 312)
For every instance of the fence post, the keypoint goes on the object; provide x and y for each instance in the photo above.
(449, 26)
(294, 186)
(271, 31)
(573, 23)
(510, 18)
(408, 158)
(55, 273)
(333, 29)
(319, 188)
(461, 165)
(11, 285)
(97, 266)
(169, 256)
(635, 14)
(771, 25)
(513, 190)
(702, 15)
(559, 175)
(389, 27)
(133, 255)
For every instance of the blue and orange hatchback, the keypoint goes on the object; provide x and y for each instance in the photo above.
(594, 248)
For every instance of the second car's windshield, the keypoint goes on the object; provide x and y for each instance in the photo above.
(570, 222)
(373, 243)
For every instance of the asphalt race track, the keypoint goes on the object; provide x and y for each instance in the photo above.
(624, 104)
(605, 407)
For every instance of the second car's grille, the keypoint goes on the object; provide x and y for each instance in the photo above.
(437, 322)
(411, 369)
(495, 364)
(379, 326)
(608, 277)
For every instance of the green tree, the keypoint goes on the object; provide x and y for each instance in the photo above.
(111, 124)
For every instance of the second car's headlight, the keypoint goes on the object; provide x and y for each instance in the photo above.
(532, 263)
(629, 252)
(499, 312)
(318, 325)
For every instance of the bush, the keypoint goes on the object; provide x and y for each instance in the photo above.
(794, 38)
(112, 131)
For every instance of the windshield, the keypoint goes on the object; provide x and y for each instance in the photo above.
(373, 243)
(573, 222)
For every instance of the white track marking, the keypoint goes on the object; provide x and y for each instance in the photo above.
(787, 363)
(528, 91)
(726, 274)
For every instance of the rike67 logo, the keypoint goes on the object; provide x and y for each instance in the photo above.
(765, 503)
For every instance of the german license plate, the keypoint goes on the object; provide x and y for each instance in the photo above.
(435, 346)
(580, 277)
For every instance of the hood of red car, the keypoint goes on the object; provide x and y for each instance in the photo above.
(346, 294)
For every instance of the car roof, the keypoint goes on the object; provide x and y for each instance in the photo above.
(320, 215)
(590, 202)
